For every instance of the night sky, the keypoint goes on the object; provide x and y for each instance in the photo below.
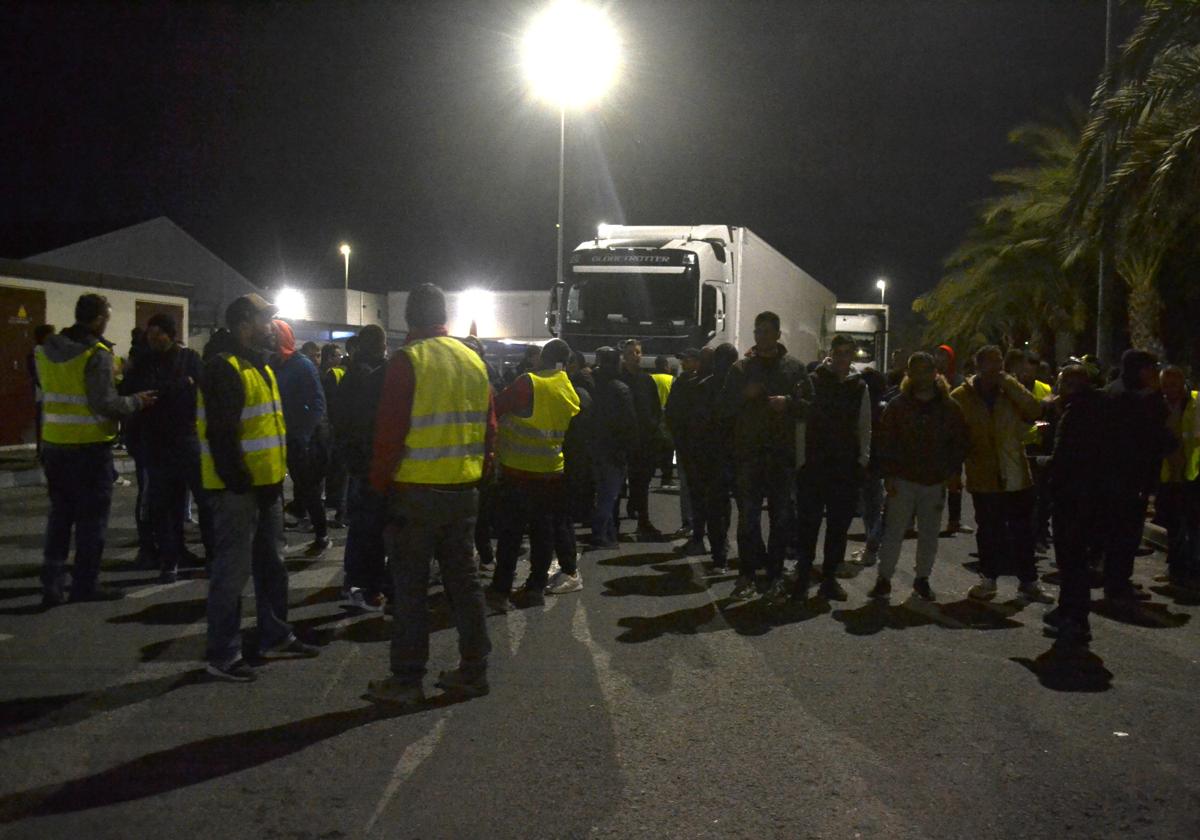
(854, 136)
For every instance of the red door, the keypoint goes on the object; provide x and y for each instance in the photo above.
(20, 311)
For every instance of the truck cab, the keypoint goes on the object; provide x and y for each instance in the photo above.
(867, 324)
(663, 285)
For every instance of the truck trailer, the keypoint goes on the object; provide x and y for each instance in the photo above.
(867, 324)
(681, 286)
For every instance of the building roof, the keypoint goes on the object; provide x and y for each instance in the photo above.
(91, 279)
(160, 250)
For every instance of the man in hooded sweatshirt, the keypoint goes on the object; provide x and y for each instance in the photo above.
(81, 409)
(837, 447)
(764, 395)
(303, 410)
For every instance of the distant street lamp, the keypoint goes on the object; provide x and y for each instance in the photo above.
(881, 285)
(571, 55)
(344, 250)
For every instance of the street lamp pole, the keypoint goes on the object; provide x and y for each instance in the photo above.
(881, 285)
(1103, 290)
(562, 165)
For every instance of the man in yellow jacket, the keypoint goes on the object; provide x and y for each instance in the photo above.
(243, 459)
(79, 424)
(1177, 500)
(998, 411)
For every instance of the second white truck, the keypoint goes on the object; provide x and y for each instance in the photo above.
(686, 286)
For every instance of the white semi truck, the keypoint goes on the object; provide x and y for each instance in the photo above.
(686, 286)
(867, 324)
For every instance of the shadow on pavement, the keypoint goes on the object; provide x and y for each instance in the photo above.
(1145, 614)
(194, 763)
(33, 714)
(1180, 596)
(877, 615)
(1071, 669)
(8, 593)
(631, 561)
(746, 618)
(673, 580)
(171, 612)
(20, 571)
(970, 614)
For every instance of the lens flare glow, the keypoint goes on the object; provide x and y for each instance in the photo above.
(291, 304)
(473, 306)
(571, 54)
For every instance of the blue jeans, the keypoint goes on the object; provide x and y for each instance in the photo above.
(424, 522)
(768, 476)
(365, 552)
(247, 534)
(608, 478)
(79, 480)
(872, 509)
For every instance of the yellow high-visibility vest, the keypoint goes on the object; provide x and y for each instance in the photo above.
(1190, 444)
(338, 373)
(534, 444)
(447, 431)
(67, 418)
(1034, 436)
(261, 431)
(664, 381)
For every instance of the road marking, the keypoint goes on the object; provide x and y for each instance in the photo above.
(412, 757)
(4, 637)
(154, 589)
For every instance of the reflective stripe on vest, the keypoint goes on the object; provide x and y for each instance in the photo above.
(1040, 391)
(261, 430)
(534, 443)
(1190, 442)
(448, 426)
(663, 381)
(66, 416)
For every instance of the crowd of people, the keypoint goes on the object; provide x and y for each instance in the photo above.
(437, 466)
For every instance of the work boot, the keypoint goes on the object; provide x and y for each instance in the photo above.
(463, 684)
(881, 589)
(831, 590)
(396, 692)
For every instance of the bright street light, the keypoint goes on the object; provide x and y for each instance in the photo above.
(881, 285)
(571, 55)
(344, 250)
(291, 304)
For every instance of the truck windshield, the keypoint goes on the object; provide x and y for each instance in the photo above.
(595, 300)
(865, 344)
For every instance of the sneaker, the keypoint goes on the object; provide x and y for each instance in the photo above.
(648, 533)
(496, 601)
(720, 567)
(694, 547)
(168, 576)
(881, 589)
(360, 601)
(554, 570)
(235, 671)
(831, 590)
(865, 557)
(302, 525)
(1033, 591)
(923, 589)
(847, 570)
(98, 593)
(291, 646)
(53, 597)
(456, 682)
(562, 583)
(317, 547)
(528, 596)
(985, 590)
(1070, 631)
(146, 560)
(395, 692)
(743, 589)
(776, 593)
(338, 523)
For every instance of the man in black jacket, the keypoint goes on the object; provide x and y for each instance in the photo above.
(764, 396)
(1077, 474)
(614, 435)
(352, 412)
(682, 411)
(642, 458)
(169, 446)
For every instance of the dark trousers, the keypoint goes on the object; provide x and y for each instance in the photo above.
(79, 480)
(954, 506)
(1178, 506)
(1074, 519)
(523, 507)
(171, 474)
(766, 478)
(1040, 465)
(484, 527)
(608, 476)
(336, 478)
(305, 463)
(829, 492)
(142, 517)
(641, 468)
(424, 523)
(247, 535)
(366, 555)
(1124, 521)
(711, 482)
(691, 467)
(565, 547)
(1005, 535)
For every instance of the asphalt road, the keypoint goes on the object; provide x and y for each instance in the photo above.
(645, 706)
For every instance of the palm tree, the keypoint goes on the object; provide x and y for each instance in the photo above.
(1145, 119)
(1007, 282)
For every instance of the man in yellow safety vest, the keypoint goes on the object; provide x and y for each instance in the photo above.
(243, 457)
(79, 424)
(433, 434)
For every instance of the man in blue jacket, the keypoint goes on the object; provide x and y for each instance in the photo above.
(303, 410)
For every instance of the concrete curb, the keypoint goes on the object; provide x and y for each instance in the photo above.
(35, 477)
